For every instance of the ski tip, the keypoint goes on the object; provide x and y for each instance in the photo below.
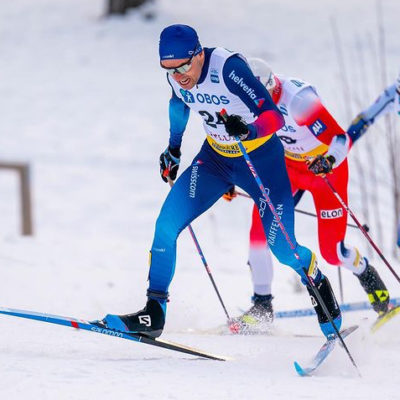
(224, 358)
(382, 320)
(299, 369)
(215, 357)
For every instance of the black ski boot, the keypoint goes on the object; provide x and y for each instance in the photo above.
(150, 320)
(257, 319)
(325, 290)
(378, 295)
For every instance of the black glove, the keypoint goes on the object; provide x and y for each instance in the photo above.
(321, 165)
(230, 194)
(236, 126)
(169, 163)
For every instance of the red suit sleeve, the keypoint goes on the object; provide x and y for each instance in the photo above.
(308, 110)
(268, 122)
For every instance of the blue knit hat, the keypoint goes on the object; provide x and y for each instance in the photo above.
(178, 42)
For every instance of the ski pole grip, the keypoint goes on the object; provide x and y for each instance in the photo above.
(223, 114)
(166, 173)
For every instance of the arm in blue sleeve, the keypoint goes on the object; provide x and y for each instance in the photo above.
(382, 105)
(178, 118)
(240, 80)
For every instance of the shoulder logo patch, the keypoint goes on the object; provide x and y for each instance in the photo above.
(214, 77)
(317, 127)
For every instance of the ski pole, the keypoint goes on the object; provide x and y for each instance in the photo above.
(314, 215)
(346, 207)
(365, 226)
(278, 220)
(203, 259)
(340, 285)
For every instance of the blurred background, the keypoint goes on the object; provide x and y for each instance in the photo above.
(84, 114)
(83, 120)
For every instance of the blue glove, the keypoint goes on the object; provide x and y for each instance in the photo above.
(358, 127)
(169, 163)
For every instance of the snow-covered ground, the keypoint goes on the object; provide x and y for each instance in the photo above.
(83, 100)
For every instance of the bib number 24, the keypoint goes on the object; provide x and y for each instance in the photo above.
(210, 119)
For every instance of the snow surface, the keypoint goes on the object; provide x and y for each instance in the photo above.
(83, 100)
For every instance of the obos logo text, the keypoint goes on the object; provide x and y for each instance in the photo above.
(203, 98)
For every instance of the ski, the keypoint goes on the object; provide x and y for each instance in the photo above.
(97, 328)
(344, 307)
(383, 319)
(322, 353)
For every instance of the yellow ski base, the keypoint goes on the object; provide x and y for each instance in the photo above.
(385, 318)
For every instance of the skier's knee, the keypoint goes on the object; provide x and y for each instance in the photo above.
(166, 229)
(285, 258)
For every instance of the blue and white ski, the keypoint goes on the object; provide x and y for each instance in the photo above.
(323, 353)
(345, 307)
(96, 327)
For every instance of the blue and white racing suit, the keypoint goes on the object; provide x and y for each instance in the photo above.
(226, 82)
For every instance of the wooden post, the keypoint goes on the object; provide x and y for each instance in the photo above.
(122, 6)
(23, 172)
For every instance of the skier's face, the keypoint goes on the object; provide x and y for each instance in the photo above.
(186, 72)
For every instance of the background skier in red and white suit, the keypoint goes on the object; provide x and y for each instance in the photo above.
(315, 146)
